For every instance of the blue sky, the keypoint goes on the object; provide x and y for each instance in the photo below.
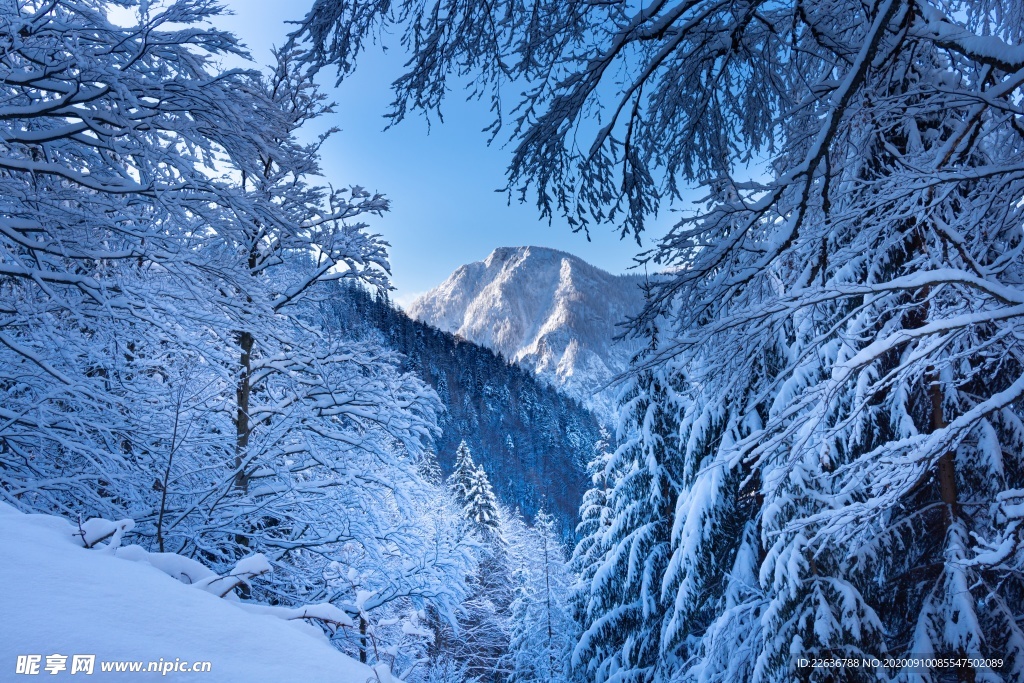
(445, 211)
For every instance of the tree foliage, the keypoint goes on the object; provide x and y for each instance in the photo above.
(540, 623)
(839, 319)
(163, 356)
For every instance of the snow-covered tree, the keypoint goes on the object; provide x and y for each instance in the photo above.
(461, 479)
(540, 622)
(105, 272)
(429, 469)
(595, 518)
(481, 507)
(162, 352)
(472, 489)
(480, 641)
(621, 608)
(844, 306)
(404, 605)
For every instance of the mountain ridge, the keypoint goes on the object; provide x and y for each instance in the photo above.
(546, 310)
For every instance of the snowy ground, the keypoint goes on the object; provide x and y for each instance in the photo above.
(60, 598)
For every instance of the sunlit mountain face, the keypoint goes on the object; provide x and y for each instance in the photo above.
(548, 311)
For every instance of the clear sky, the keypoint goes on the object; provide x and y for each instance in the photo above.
(445, 211)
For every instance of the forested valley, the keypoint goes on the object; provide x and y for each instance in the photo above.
(534, 442)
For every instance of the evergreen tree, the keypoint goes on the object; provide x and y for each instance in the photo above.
(592, 531)
(429, 469)
(595, 515)
(481, 506)
(461, 479)
(623, 607)
(482, 640)
(477, 648)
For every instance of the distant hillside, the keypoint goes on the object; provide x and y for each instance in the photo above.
(547, 310)
(533, 441)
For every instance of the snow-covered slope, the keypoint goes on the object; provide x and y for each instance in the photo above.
(59, 598)
(547, 310)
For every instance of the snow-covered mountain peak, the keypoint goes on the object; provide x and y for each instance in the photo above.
(545, 309)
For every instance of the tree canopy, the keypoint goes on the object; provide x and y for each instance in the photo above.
(834, 339)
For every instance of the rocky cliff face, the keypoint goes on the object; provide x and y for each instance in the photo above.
(547, 310)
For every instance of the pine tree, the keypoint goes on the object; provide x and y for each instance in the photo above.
(481, 507)
(429, 469)
(461, 479)
(595, 520)
(481, 641)
(624, 605)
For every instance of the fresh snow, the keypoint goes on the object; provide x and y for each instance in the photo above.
(61, 598)
(547, 310)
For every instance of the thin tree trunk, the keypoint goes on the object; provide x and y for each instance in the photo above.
(362, 640)
(167, 476)
(547, 587)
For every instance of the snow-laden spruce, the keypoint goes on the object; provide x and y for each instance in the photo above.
(477, 643)
(625, 543)
(515, 624)
(838, 343)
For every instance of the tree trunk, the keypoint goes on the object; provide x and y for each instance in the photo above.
(946, 467)
(547, 590)
(362, 640)
(243, 427)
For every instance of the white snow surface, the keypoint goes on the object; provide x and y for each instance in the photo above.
(547, 310)
(61, 598)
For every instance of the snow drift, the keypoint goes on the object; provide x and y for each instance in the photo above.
(121, 605)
